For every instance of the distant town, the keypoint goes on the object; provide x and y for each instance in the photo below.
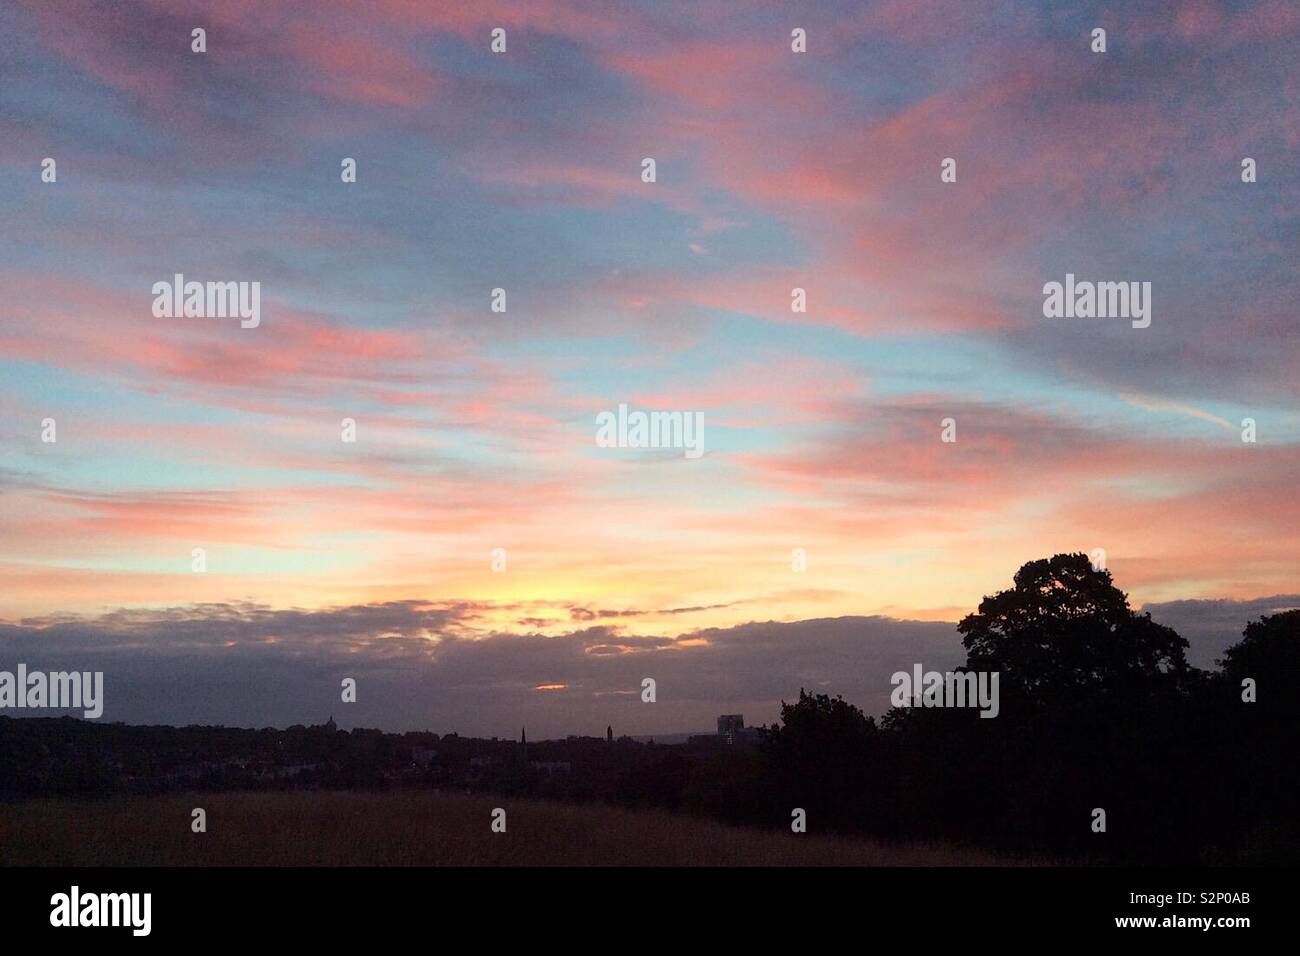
(67, 756)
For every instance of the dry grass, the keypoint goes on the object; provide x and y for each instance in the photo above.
(413, 829)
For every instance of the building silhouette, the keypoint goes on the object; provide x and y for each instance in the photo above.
(730, 727)
(732, 732)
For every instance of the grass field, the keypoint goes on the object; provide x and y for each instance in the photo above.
(413, 829)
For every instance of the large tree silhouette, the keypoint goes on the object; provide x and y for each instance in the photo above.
(1064, 628)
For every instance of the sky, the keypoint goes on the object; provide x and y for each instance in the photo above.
(825, 532)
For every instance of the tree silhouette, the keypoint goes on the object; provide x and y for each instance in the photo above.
(1065, 628)
(1269, 649)
(822, 721)
(1256, 743)
(820, 755)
